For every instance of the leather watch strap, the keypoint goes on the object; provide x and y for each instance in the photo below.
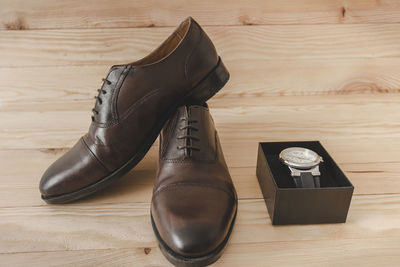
(297, 181)
(307, 180)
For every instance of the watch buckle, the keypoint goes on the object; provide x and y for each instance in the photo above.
(297, 172)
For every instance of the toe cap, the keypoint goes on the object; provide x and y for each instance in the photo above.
(50, 185)
(75, 169)
(193, 221)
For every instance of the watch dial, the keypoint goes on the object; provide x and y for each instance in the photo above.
(299, 156)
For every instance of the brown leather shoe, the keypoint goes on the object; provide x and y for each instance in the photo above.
(132, 106)
(194, 201)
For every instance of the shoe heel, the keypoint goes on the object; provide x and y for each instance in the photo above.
(210, 85)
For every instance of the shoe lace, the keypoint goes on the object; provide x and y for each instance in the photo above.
(188, 135)
(98, 98)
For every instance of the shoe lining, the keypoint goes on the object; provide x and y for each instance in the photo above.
(167, 47)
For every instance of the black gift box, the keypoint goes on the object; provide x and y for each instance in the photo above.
(290, 205)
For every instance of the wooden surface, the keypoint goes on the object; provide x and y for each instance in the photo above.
(300, 70)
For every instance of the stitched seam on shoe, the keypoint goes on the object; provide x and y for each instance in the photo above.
(94, 156)
(96, 141)
(192, 52)
(115, 95)
(139, 102)
(171, 126)
(179, 185)
(114, 119)
(229, 184)
(130, 110)
(189, 161)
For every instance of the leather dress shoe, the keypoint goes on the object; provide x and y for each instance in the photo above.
(194, 201)
(132, 106)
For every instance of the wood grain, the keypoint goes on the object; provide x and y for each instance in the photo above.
(238, 154)
(60, 228)
(114, 46)
(311, 117)
(64, 85)
(54, 14)
(19, 186)
(345, 252)
(300, 70)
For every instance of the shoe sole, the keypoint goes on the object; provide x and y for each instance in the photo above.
(204, 90)
(183, 261)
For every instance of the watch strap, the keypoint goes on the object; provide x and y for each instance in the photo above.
(307, 180)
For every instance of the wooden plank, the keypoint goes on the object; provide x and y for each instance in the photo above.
(237, 154)
(137, 185)
(146, 256)
(347, 252)
(323, 70)
(370, 175)
(47, 14)
(249, 78)
(312, 117)
(60, 228)
(341, 252)
(113, 46)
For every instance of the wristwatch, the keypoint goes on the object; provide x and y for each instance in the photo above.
(303, 164)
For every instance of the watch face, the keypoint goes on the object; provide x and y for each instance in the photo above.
(299, 157)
